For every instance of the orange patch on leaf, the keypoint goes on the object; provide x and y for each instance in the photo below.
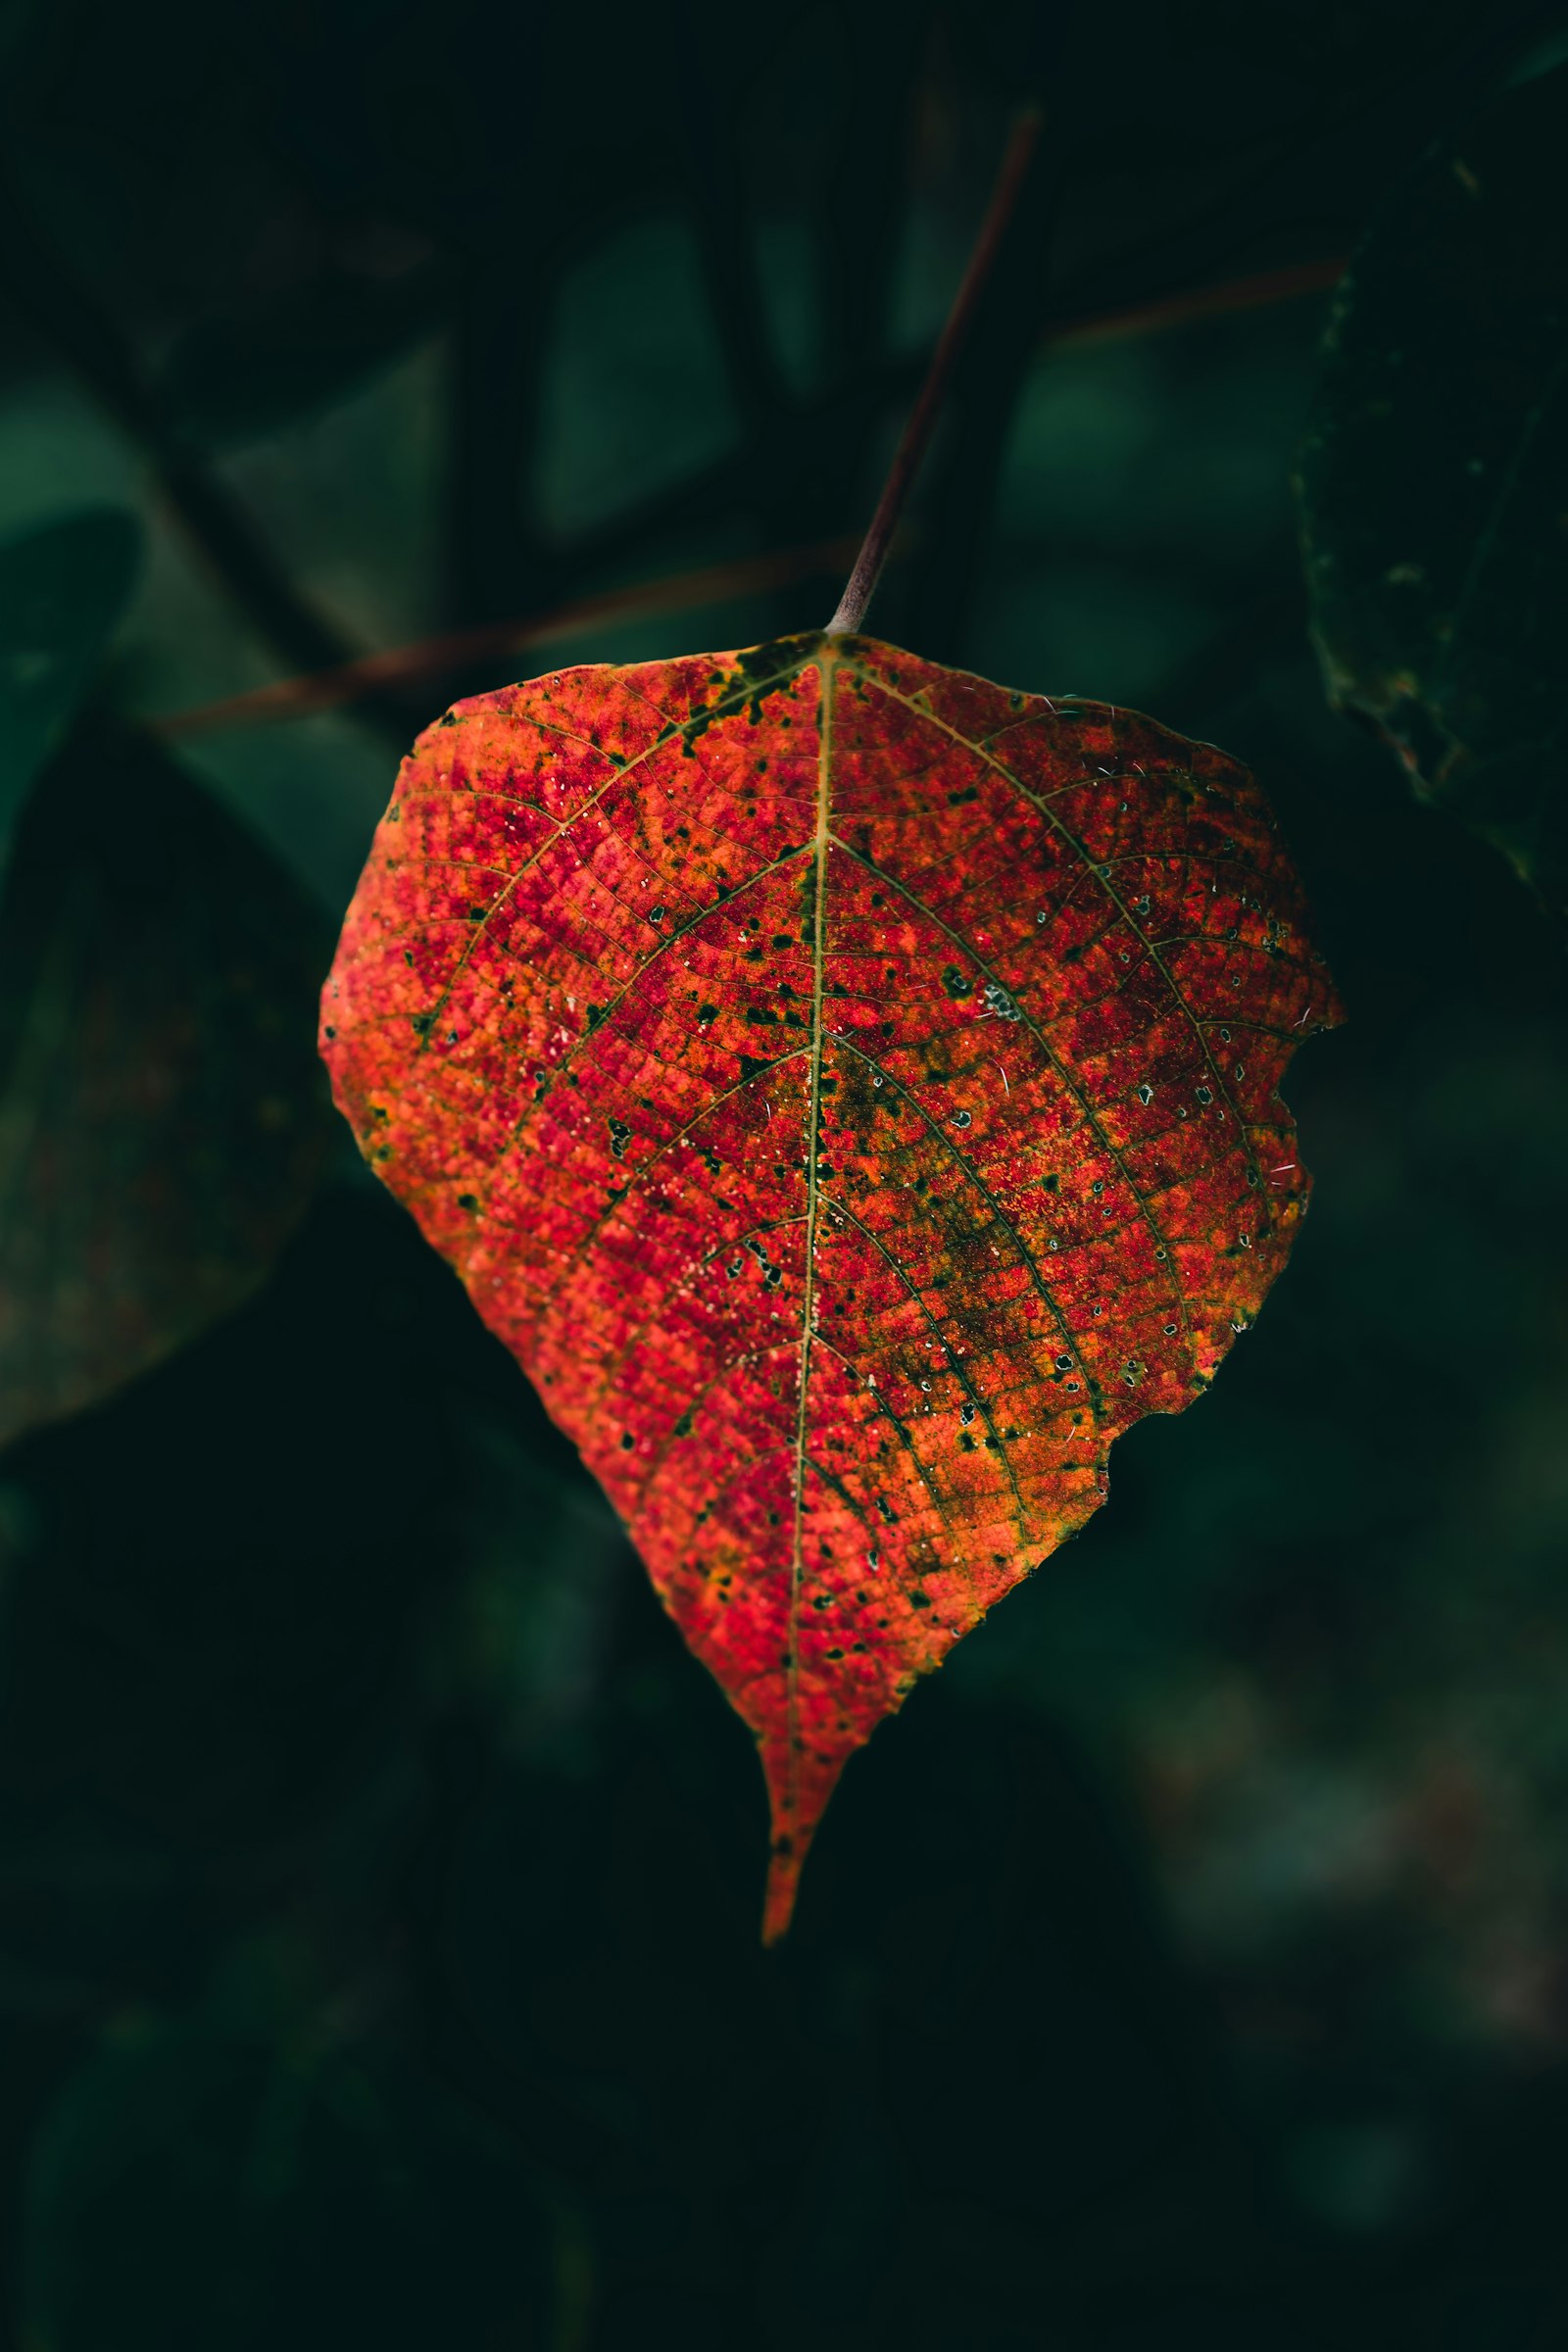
(848, 1089)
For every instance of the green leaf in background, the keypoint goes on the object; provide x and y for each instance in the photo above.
(1433, 479)
(62, 587)
(161, 1124)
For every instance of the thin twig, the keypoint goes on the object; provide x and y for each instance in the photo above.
(1250, 293)
(917, 433)
(437, 656)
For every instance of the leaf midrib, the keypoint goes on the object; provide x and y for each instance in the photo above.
(827, 662)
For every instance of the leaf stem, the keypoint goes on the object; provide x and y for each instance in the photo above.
(917, 434)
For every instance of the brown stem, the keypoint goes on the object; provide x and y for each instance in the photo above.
(917, 433)
(1255, 292)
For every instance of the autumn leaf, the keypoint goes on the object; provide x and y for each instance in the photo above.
(848, 1089)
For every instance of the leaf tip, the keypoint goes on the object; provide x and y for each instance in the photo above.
(784, 1860)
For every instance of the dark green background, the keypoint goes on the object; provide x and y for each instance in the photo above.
(1188, 1965)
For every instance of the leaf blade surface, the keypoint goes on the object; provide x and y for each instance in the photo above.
(848, 1088)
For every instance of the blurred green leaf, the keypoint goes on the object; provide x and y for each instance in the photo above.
(62, 587)
(1433, 479)
(161, 1122)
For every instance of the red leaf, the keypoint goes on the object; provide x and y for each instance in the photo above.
(848, 1088)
